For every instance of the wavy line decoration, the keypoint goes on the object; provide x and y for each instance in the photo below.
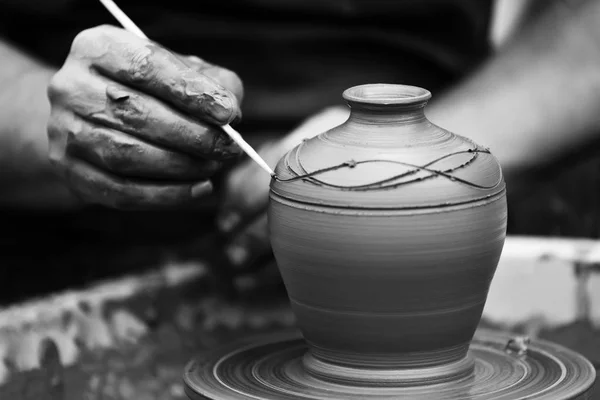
(387, 183)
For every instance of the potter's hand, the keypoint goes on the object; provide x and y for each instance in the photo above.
(134, 126)
(243, 214)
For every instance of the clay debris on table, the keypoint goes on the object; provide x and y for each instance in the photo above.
(129, 344)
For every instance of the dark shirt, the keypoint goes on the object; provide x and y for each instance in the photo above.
(294, 56)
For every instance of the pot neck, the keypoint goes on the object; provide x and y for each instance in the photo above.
(386, 114)
(386, 103)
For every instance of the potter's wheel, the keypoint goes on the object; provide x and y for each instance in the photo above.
(271, 368)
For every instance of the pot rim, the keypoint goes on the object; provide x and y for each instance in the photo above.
(386, 94)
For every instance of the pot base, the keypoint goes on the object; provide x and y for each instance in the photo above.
(272, 368)
(387, 377)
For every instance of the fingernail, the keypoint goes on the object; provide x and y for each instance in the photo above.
(194, 59)
(238, 254)
(225, 147)
(227, 222)
(201, 189)
(224, 107)
(235, 113)
(237, 116)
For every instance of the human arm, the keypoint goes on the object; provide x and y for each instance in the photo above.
(532, 103)
(26, 179)
(536, 101)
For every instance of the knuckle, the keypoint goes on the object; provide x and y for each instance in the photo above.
(234, 83)
(53, 129)
(232, 78)
(60, 128)
(56, 147)
(202, 142)
(131, 110)
(67, 81)
(89, 36)
(228, 79)
(85, 39)
(140, 68)
(55, 157)
(92, 42)
(197, 62)
(57, 86)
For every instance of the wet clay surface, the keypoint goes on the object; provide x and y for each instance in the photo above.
(387, 230)
(157, 334)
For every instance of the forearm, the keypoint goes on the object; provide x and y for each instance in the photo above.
(26, 179)
(538, 99)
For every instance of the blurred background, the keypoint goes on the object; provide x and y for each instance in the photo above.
(47, 247)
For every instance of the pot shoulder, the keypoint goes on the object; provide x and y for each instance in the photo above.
(404, 166)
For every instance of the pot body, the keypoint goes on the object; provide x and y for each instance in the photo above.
(387, 259)
(382, 287)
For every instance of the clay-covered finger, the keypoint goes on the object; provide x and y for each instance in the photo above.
(156, 122)
(95, 186)
(225, 77)
(127, 156)
(139, 63)
(98, 99)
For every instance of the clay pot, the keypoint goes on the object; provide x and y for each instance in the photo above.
(388, 255)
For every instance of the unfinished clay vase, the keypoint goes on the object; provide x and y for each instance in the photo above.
(387, 231)
(388, 245)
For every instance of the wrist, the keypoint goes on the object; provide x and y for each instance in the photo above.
(26, 177)
(24, 112)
